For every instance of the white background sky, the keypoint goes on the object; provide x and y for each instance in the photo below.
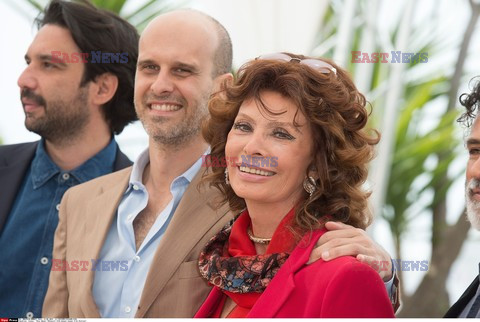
(256, 27)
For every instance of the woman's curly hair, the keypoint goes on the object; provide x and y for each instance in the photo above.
(337, 114)
(471, 102)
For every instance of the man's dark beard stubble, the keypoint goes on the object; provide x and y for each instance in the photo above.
(62, 122)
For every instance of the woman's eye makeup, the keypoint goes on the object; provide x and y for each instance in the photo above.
(283, 134)
(242, 126)
(278, 133)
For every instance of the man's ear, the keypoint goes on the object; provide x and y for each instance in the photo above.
(103, 88)
(221, 81)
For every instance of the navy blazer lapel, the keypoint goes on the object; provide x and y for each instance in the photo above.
(458, 307)
(14, 162)
(121, 161)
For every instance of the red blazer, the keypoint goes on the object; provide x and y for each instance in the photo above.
(343, 287)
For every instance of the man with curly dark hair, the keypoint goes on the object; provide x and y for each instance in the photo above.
(469, 303)
(76, 108)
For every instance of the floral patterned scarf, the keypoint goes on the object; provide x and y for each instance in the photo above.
(229, 261)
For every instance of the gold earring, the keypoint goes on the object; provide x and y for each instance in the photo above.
(309, 185)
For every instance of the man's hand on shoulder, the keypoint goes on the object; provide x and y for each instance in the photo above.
(346, 240)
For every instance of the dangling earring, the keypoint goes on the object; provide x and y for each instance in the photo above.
(309, 185)
(226, 177)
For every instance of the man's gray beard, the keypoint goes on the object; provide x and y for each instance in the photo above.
(473, 206)
(62, 122)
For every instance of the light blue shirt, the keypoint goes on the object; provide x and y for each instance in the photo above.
(121, 270)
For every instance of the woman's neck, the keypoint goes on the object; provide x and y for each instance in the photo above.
(265, 220)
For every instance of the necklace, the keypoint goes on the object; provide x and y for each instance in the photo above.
(257, 240)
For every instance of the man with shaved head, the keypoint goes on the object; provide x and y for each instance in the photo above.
(127, 244)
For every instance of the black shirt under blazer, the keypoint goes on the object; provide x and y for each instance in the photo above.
(15, 160)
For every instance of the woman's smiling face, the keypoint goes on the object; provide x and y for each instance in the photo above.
(277, 152)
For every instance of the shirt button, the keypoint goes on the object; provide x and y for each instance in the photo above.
(136, 258)
(135, 187)
(66, 176)
(57, 207)
(29, 315)
(44, 260)
(128, 309)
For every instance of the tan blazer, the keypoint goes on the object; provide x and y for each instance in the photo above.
(174, 287)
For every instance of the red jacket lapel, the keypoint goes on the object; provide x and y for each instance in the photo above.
(283, 284)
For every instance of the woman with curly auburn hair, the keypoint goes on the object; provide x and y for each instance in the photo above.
(292, 132)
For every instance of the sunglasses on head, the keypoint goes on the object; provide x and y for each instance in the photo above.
(316, 64)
